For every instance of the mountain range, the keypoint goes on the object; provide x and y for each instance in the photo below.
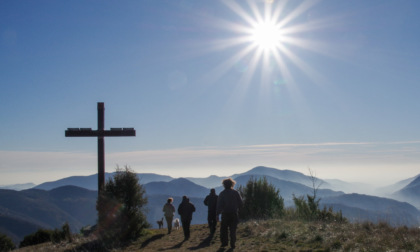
(410, 193)
(91, 182)
(23, 212)
(73, 199)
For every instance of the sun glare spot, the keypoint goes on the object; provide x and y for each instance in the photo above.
(266, 35)
(272, 36)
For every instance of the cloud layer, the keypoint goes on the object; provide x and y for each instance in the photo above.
(373, 162)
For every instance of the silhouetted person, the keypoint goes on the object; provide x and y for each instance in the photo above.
(211, 202)
(185, 210)
(169, 212)
(228, 205)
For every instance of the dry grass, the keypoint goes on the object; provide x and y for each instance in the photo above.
(272, 235)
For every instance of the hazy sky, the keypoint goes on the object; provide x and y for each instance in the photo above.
(211, 87)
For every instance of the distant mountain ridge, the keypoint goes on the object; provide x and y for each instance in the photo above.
(287, 175)
(88, 182)
(414, 184)
(340, 185)
(410, 193)
(358, 207)
(209, 182)
(18, 187)
(396, 191)
(23, 212)
(387, 190)
(27, 210)
(176, 187)
(91, 182)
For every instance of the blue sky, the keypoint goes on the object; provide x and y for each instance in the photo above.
(337, 94)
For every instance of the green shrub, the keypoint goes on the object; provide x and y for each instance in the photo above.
(45, 235)
(6, 243)
(306, 210)
(309, 210)
(120, 208)
(261, 200)
(60, 235)
(40, 236)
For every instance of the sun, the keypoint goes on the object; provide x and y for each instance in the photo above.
(267, 39)
(266, 35)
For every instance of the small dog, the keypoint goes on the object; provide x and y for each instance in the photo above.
(160, 223)
(176, 224)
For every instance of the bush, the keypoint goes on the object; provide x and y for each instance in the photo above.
(6, 243)
(40, 236)
(261, 200)
(61, 235)
(45, 235)
(120, 208)
(309, 210)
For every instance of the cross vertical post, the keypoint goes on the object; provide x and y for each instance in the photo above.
(101, 146)
(100, 133)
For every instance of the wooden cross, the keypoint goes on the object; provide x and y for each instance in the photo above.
(100, 133)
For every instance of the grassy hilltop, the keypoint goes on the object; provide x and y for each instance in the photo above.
(270, 235)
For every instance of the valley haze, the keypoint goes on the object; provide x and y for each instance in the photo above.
(373, 163)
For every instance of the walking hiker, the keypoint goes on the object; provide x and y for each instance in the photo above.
(211, 202)
(228, 205)
(185, 210)
(169, 212)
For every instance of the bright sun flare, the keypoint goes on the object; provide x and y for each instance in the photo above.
(266, 35)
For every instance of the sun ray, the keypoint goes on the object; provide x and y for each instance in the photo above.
(304, 6)
(278, 11)
(304, 67)
(231, 26)
(287, 77)
(310, 45)
(223, 44)
(258, 17)
(227, 65)
(237, 9)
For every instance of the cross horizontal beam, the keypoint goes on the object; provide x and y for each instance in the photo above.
(88, 132)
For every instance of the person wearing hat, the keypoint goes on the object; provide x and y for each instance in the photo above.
(228, 205)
